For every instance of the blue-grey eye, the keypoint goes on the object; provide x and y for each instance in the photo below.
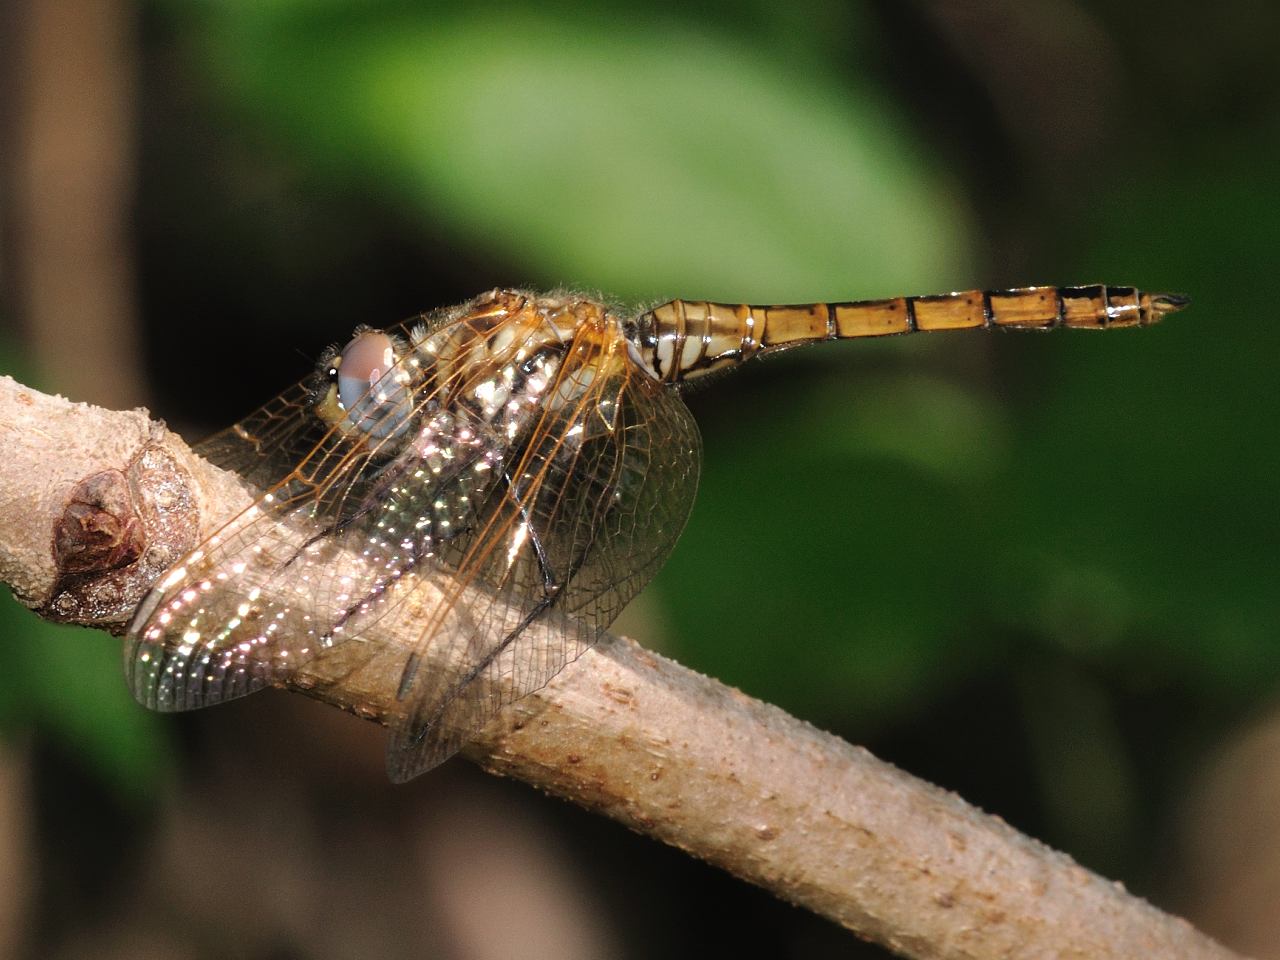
(372, 390)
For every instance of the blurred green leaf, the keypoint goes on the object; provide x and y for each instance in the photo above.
(639, 157)
(1114, 505)
(836, 576)
(914, 419)
(68, 681)
(1163, 443)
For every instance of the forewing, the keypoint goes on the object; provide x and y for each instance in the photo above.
(323, 554)
(269, 443)
(591, 507)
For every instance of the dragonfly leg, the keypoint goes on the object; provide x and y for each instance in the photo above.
(549, 584)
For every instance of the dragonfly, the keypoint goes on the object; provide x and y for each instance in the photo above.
(530, 454)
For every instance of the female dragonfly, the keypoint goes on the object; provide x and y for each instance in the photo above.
(530, 452)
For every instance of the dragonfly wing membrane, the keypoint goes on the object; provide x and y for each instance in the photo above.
(267, 444)
(345, 532)
(592, 505)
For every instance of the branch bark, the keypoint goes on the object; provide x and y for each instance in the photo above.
(94, 504)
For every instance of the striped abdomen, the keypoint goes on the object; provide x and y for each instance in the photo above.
(684, 339)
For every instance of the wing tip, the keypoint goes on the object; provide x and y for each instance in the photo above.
(414, 750)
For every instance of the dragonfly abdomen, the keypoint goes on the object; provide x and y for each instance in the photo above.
(685, 339)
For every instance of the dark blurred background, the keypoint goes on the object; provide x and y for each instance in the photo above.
(1037, 570)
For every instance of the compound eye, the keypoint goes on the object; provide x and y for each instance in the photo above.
(371, 389)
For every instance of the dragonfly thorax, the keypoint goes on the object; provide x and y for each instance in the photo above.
(382, 389)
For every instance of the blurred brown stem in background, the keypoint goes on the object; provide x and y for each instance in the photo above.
(69, 107)
(673, 754)
(1232, 825)
(67, 173)
(15, 855)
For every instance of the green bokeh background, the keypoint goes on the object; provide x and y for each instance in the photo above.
(1040, 570)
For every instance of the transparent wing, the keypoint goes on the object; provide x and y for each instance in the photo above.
(323, 554)
(538, 533)
(265, 446)
(592, 505)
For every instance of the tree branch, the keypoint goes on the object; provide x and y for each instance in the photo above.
(94, 504)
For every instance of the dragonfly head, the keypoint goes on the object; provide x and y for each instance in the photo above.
(365, 389)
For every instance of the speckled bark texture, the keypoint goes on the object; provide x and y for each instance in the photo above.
(93, 504)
